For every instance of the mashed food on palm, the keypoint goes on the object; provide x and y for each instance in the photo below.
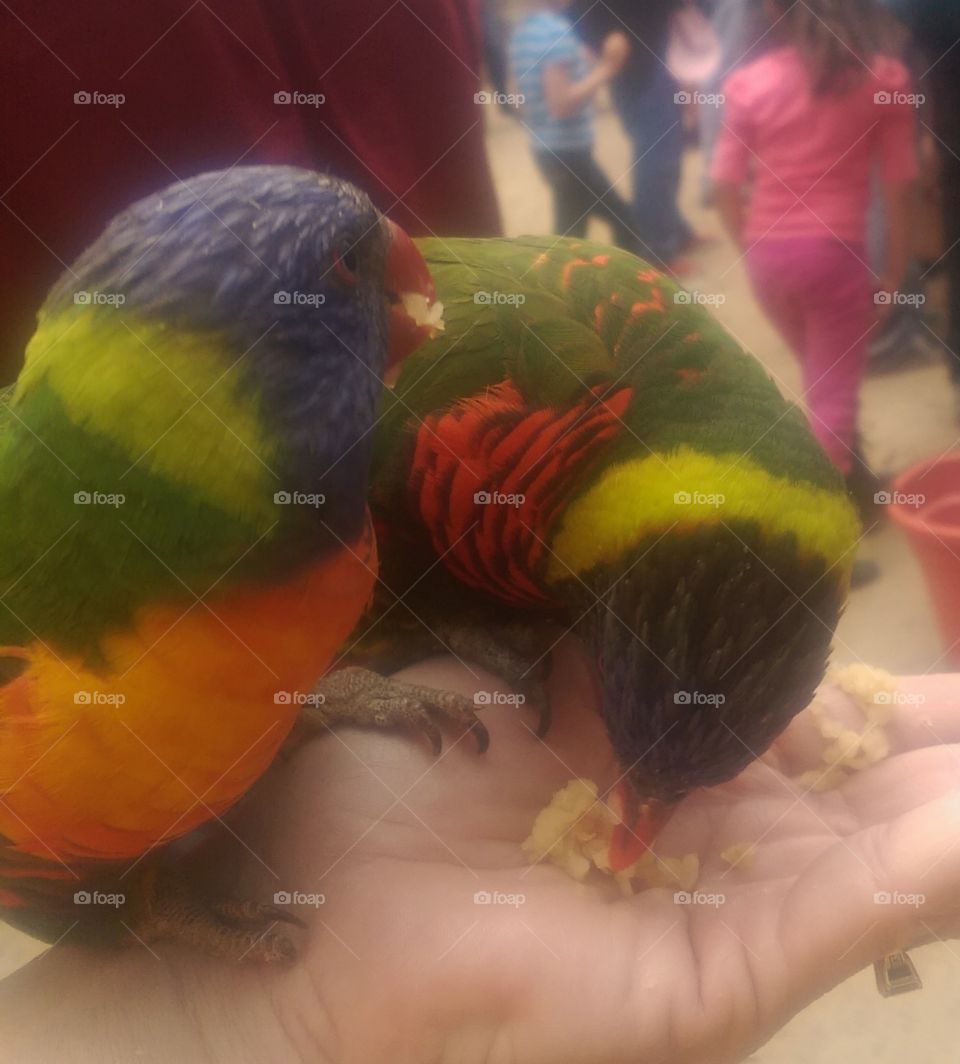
(573, 832)
(848, 750)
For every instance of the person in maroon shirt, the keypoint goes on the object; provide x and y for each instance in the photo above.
(381, 94)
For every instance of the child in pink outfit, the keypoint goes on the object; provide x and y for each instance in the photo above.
(806, 125)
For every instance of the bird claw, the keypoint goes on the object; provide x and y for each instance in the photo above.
(363, 698)
(232, 929)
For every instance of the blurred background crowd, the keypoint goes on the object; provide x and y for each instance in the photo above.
(794, 163)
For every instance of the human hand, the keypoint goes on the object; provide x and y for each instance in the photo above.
(400, 964)
(614, 52)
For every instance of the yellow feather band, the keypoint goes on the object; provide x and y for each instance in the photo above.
(164, 397)
(687, 488)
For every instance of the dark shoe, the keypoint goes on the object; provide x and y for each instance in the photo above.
(866, 491)
(864, 572)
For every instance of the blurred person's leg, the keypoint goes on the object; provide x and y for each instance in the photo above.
(710, 120)
(819, 297)
(775, 285)
(935, 25)
(571, 199)
(654, 122)
(902, 337)
(840, 320)
(605, 202)
(817, 293)
(950, 184)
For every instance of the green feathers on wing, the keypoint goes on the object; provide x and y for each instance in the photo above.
(561, 317)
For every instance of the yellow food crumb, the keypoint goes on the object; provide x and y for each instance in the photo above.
(573, 832)
(848, 750)
(423, 312)
(867, 685)
(679, 873)
(570, 832)
(739, 854)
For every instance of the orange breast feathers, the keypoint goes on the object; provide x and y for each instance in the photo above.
(189, 710)
(491, 474)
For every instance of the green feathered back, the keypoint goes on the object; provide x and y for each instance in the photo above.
(576, 328)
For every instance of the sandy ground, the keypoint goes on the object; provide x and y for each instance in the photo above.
(904, 417)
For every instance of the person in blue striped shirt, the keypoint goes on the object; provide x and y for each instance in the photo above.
(557, 82)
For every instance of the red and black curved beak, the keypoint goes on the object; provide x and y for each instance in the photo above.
(415, 314)
(640, 823)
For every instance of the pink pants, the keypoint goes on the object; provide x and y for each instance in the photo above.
(817, 292)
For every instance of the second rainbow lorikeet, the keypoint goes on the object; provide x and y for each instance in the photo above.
(185, 540)
(585, 445)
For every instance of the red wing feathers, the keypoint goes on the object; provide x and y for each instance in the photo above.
(491, 474)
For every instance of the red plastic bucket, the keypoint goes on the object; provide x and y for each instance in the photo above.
(925, 502)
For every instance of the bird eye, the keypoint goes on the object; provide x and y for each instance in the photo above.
(345, 265)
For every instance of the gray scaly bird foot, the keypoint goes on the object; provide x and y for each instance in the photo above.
(516, 651)
(231, 929)
(366, 699)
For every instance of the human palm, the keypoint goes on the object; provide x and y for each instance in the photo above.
(406, 965)
(400, 964)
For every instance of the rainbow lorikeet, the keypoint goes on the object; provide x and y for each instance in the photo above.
(586, 445)
(185, 539)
